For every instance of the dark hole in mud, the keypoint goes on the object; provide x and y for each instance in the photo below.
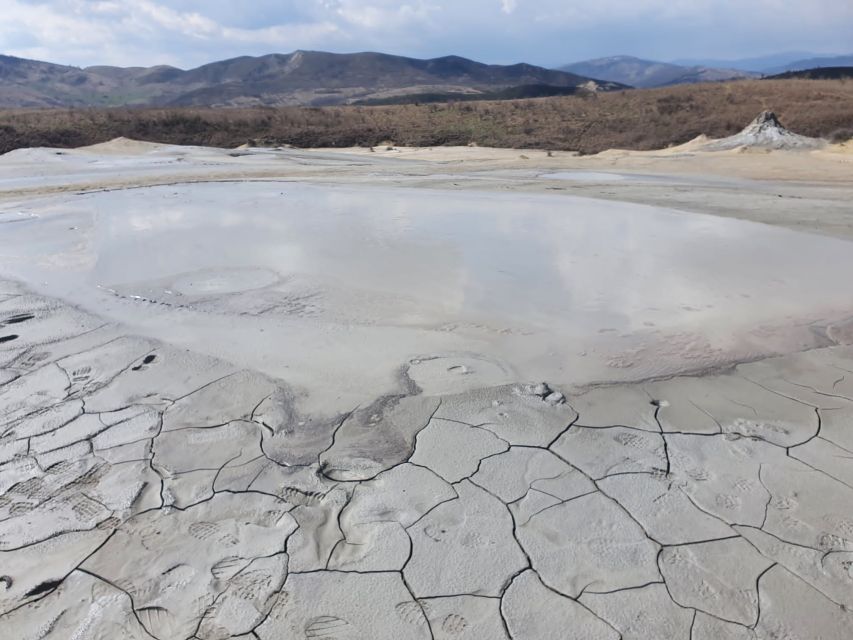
(655, 403)
(23, 317)
(9, 338)
(44, 587)
(146, 360)
(6, 581)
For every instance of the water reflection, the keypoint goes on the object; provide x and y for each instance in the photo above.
(337, 287)
(551, 263)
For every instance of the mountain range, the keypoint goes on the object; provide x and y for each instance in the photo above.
(299, 78)
(316, 78)
(812, 63)
(640, 73)
(774, 64)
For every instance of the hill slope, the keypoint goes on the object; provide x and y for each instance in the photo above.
(637, 72)
(299, 78)
(641, 119)
(30, 83)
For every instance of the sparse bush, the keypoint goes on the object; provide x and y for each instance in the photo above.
(641, 119)
(841, 135)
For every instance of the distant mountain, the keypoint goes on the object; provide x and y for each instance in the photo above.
(31, 83)
(756, 64)
(637, 72)
(819, 73)
(299, 78)
(778, 63)
(812, 63)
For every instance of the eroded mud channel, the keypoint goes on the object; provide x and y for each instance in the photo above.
(267, 411)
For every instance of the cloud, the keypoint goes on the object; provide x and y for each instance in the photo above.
(191, 32)
(508, 6)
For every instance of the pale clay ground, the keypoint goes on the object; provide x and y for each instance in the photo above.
(152, 491)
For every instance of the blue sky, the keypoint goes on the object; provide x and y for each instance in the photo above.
(187, 33)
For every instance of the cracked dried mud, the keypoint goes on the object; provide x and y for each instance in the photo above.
(150, 488)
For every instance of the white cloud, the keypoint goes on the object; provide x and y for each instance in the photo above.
(384, 15)
(508, 6)
(191, 32)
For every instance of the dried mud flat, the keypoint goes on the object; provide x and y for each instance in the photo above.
(148, 492)
(151, 490)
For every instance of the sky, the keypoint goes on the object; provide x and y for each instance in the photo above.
(187, 33)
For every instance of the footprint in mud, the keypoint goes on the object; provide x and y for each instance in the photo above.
(435, 532)
(153, 617)
(148, 535)
(832, 542)
(211, 531)
(727, 501)
(91, 477)
(744, 485)
(676, 558)
(85, 509)
(698, 474)
(412, 612)
(145, 362)
(20, 508)
(226, 568)
(474, 540)
(253, 585)
(81, 376)
(33, 488)
(454, 624)
(785, 503)
(301, 498)
(270, 518)
(203, 530)
(109, 524)
(33, 360)
(843, 525)
(9, 338)
(328, 627)
(632, 440)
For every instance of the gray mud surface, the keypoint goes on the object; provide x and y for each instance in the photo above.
(148, 491)
(268, 411)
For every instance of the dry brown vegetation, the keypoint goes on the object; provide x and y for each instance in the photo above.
(636, 119)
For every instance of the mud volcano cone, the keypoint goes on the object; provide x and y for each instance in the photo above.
(765, 132)
(765, 121)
